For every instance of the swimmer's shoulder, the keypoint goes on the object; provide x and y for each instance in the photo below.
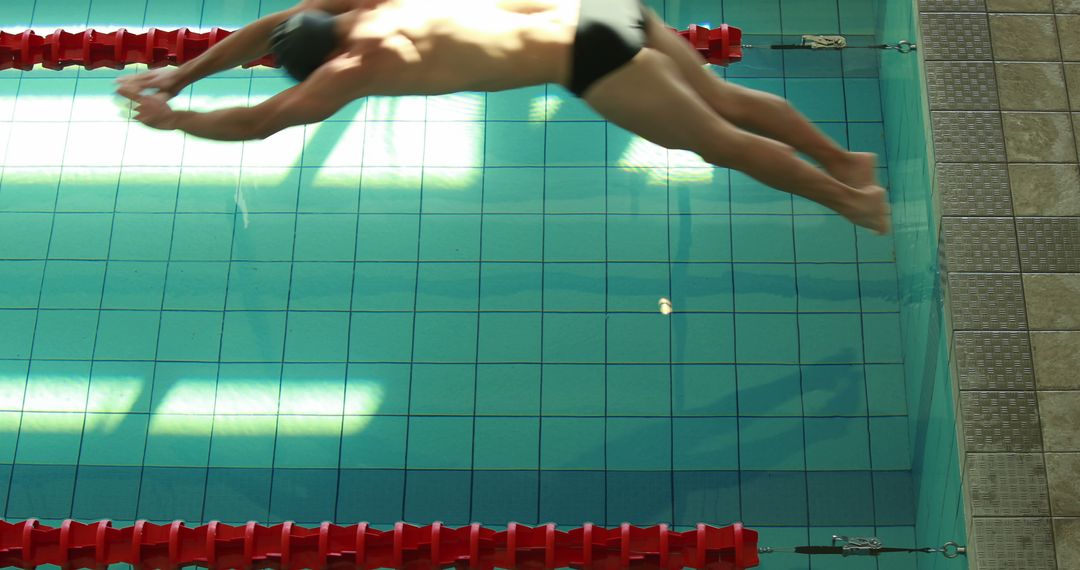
(340, 6)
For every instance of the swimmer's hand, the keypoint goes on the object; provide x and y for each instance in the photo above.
(154, 111)
(164, 81)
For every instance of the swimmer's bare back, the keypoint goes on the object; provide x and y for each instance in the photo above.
(430, 47)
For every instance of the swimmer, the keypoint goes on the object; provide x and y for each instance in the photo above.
(617, 55)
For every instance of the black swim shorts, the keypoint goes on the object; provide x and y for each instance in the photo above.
(609, 34)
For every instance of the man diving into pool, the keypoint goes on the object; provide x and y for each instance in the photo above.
(615, 54)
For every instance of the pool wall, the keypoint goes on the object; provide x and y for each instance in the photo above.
(939, 510)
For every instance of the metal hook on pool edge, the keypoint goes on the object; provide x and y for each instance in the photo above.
(951, 549)
(903, 46)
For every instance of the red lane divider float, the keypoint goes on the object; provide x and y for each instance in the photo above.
(156, 48)
(722, 46)
(289, 546)
(93, 49)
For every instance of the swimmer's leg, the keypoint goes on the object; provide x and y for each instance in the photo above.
(760, 112)
(672, 114)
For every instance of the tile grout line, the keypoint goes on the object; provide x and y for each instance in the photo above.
(543, 324)
(862, 313)
(479, 313)
(352, 314)
(798, 328)
(412, 346)
(285, 343)
(161, 312)
(33, 333)
(224, 305)
(101, 299)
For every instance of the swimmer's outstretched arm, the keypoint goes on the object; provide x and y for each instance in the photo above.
(245, 45)
(331, 87)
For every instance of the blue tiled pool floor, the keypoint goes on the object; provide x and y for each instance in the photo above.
(443, 308)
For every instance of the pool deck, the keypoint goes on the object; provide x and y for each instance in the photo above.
(1003, 80)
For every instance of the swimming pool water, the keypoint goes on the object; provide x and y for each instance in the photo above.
(445, 308)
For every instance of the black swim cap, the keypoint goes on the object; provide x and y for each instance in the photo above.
(304, 42)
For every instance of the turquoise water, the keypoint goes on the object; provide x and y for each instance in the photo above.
(446, 308)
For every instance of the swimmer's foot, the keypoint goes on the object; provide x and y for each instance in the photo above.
(856, 169)
(869, 207)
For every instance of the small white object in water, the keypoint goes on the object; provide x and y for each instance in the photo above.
(665, 306)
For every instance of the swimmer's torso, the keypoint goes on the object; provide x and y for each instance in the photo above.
(442, 46)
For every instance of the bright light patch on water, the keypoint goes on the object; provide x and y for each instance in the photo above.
(542, 107)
